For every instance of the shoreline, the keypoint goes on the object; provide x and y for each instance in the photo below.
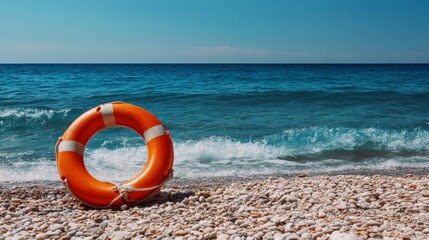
(216, 180)
(337, 206)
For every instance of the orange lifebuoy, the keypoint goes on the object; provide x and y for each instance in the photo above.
(70, 156)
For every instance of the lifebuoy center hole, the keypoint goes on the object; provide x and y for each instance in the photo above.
(115, 154)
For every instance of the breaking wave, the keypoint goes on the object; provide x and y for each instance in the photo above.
(313, 149)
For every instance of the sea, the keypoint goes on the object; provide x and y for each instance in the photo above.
(226, 120)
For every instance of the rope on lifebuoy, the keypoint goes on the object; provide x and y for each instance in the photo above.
(123, 190)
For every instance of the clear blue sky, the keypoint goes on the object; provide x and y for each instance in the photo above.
(200, 31)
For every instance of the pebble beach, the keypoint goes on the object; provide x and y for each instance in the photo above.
(300, 207)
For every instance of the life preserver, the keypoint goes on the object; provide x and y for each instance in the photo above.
(70, 156)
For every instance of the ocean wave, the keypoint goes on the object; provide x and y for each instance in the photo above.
(313, 140)
(307, 149)
(312, 143)
(312, 149)
(31, 113)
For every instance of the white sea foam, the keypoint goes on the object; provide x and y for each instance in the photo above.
(24, 171)
(46, 170)
(219, 148)
(115, 165)
(34, 113)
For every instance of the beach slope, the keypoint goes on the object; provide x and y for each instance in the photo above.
(301, 207)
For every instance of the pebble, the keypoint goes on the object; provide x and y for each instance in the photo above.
(222, 237)
(373, 223)
(317, 235)
(343, 236)
(275, 220)
(40, 236)
(104, 224)
(72, 232)
(121, 234)
(51, 233)
(342, 205)
(15, 201)
(180, 233)
(293, 236)
(306, 236)
(56, 227)
(321, 214)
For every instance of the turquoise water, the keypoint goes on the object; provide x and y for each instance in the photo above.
(224, 119)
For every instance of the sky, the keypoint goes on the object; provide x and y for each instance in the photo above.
(215, 31)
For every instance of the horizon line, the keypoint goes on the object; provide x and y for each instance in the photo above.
(210, 63)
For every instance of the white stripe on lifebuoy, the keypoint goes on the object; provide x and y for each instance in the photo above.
(108, 116)
(71, 146)
(153, 132)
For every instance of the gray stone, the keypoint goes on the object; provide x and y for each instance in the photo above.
(104, 224)
(72, 232)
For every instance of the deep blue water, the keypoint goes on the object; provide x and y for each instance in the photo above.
(224, 119)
